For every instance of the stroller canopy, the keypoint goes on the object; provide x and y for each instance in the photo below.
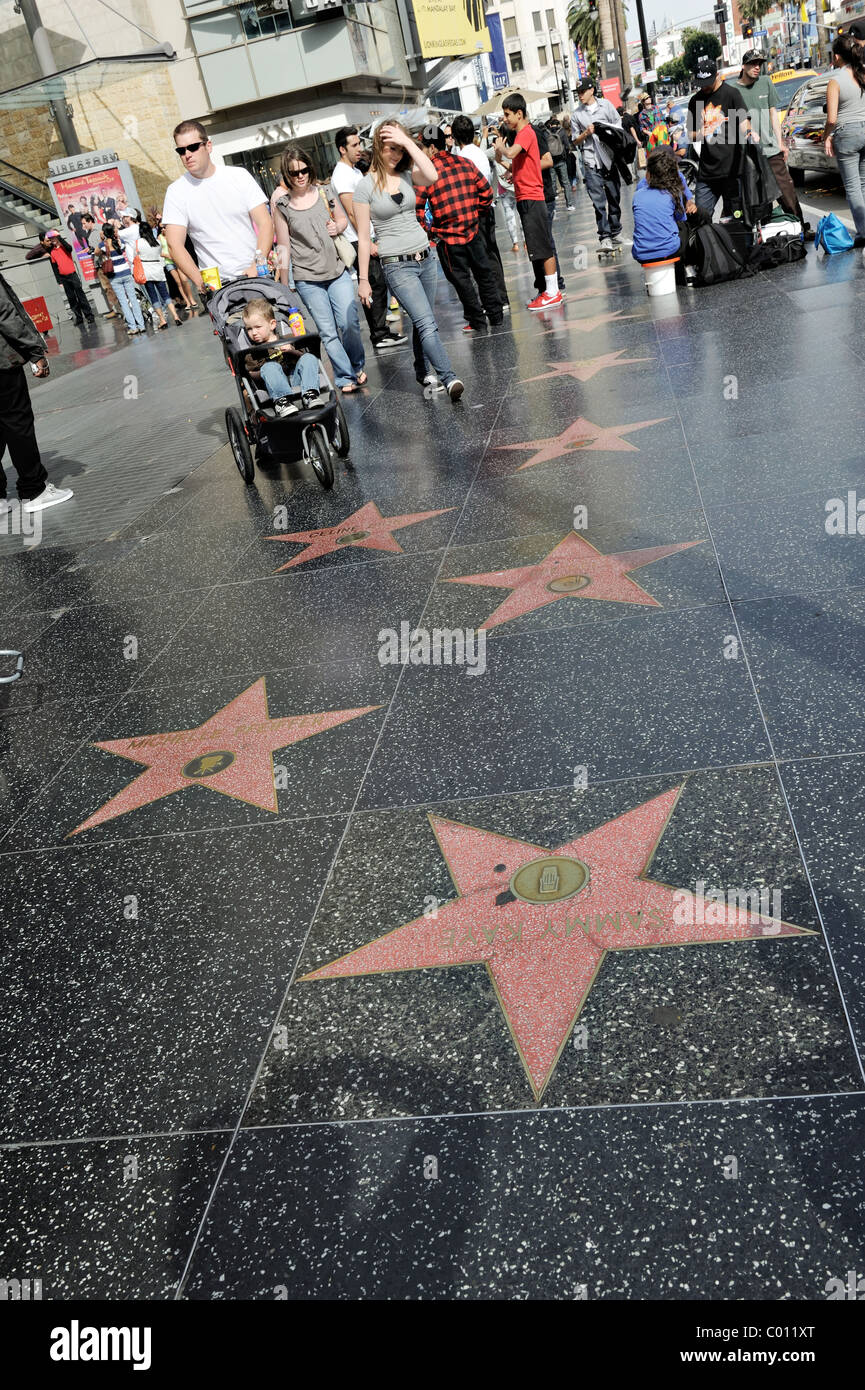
(230, 300)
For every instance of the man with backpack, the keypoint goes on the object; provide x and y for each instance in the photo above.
(556, 147)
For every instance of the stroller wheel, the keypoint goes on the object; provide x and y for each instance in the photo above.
(319, 455)
(239, 444)
(340, 440)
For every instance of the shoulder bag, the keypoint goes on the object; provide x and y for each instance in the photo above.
(344, 248)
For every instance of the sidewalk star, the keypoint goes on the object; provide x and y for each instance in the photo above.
(588, 367)
(542, 921)
(230, 753)
(582, 434)
(365, 528)
(572, 569)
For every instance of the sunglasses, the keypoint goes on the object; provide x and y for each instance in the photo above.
(189, 149)
(293, 173)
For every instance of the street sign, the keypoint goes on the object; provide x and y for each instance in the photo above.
(651, 76)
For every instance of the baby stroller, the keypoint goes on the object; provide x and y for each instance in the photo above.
(255, 431)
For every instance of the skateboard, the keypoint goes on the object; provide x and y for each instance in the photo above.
(613, 254)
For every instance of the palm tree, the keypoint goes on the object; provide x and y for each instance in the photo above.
(585, 30)
(754, 10)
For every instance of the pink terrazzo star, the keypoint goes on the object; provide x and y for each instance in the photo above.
(230, 753)
(365, 528)
(582, 434)
(542, 921)
(573, 569)
(588, 367)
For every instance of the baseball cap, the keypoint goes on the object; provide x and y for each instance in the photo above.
(706, 69)
(754, 55)
(434, 135)
(587, 85)
(856, 30)
(128, 212)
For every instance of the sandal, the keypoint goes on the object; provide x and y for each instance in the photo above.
(362, 379)
(350, 389)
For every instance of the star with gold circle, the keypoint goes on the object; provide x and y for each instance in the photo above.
(582, 434)
(588, 367)
(366, 528)
(542, 921)
(572, 569)
(230, 753)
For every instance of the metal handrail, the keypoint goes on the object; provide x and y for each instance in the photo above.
(9, 165)
(28, 198)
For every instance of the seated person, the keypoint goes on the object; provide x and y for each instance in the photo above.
(663, 207)
(259, 322)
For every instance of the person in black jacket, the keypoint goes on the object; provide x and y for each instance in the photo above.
(20, 343)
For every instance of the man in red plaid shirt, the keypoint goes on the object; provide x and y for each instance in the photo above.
(455, 201)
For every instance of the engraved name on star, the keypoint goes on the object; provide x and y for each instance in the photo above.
(582, 434)
(230, 753)
(572, 569)
(366, 529)
(542, 921)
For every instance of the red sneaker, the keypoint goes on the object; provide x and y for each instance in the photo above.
(545, 301)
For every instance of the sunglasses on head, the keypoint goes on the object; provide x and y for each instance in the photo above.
(189, 149)
(303, 169)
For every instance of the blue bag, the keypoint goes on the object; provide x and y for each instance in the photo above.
(832, 235)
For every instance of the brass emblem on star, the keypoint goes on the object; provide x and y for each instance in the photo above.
(549, 880)
(568, 584)
(208, 764)
(352, 536)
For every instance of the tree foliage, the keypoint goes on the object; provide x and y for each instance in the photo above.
(695, 43)
(584, 29)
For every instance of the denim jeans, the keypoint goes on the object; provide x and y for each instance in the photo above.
(849, 142)
(333, 306)
(605, 189)
(708, 191)
(303, 377)
(124, 288)
(414, 285)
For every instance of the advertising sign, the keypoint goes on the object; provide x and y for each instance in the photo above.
(612, 90)
(103, 191)
(451, 27)
(38, 311)
(498, 61)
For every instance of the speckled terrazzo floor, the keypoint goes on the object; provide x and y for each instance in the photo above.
(329, 977)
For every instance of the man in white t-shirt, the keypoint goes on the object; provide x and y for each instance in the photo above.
(222, 209)
(344, 180)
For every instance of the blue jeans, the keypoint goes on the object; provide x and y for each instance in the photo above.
(333, 305)
(414, 284)
(303, 377)
(849, 142)
(124, 288)
(605, 190)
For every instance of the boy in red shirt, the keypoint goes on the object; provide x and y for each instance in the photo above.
(523, 156)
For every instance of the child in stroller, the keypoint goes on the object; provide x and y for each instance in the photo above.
(260, 326)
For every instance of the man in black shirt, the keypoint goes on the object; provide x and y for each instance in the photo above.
(718, 119)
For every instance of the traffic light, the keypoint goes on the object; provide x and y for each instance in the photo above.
(747, 31)
(593, 7)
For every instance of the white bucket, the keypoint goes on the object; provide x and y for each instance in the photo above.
(660, 279)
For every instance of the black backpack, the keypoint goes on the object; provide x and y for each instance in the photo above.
(714, 254)
(779, 250)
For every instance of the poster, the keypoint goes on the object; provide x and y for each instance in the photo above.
(99, 192)
(451, 27)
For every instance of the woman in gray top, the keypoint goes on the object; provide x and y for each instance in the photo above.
(305, 228)
(844, 135)
(387, 195)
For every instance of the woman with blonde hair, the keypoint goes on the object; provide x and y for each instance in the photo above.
(305, 228)
(386, 195)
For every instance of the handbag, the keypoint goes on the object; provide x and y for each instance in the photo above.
(831, 235)
(345, 249)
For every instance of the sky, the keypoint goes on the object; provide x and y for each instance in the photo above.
(675, 11)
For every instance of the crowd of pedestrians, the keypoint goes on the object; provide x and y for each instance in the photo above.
(371, 233)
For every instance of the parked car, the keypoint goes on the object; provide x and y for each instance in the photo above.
(787, 83)
(803, 129)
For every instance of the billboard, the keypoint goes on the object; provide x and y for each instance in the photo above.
(451, 28)
(90, 183)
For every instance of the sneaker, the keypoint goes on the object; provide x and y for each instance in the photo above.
(473, 328)
(283, 406)
(49, 497)
(455, 389)
(545, 301)
(390, 340)
(506, 308)
(571, 208)
(616, 239)
(858, 241)
(606, 244)
(310, 398)
(431, 383)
